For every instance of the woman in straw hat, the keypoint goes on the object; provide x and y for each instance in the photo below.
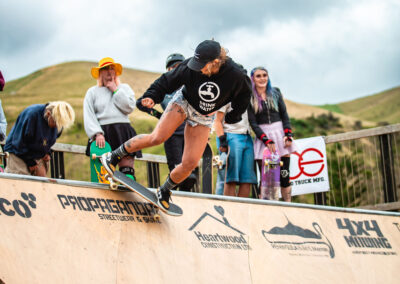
(106, 110)
(34, 133)
(210, 80)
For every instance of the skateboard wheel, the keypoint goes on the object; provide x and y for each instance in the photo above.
(156, 217)
(113, 185)
(281, 163)
(6, 155)
(94, 156)
(266, 163)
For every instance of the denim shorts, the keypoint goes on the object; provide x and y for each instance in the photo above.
(193, 117)
(240, 164)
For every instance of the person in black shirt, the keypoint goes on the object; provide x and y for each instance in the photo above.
(270, 122)
(174, 145)
(206, 82)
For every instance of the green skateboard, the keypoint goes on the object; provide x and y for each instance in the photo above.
(97, 171)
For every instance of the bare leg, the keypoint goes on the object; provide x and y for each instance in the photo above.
(196, 138)
(286, 193)
(169, 122)
(230, 189)
(244, 189)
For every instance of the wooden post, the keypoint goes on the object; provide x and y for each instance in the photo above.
(153, 174)
(387, 168)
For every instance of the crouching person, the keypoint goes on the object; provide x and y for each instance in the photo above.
(34, 133)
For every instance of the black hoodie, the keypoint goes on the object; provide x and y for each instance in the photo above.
(207, 94)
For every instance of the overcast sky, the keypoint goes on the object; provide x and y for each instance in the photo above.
(316, 51)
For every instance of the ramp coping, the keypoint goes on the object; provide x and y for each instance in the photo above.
(203, 195)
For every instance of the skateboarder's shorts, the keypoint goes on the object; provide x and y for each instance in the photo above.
(274, 131)
(240, 163)
(193, 117)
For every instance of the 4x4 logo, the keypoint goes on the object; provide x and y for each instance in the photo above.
(10, 208)
(363, 234)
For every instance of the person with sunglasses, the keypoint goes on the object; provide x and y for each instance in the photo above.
(106, 110)
(206, 82)
(270, 121)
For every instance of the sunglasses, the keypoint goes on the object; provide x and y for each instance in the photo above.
(261, 75)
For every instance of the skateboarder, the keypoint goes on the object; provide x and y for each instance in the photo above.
(174, 145)
(105, 111)
(210, 80)
(270, 122)
(33, 135)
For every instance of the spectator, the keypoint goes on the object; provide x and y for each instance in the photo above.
(3, 121)
(175, 144)
(270, 122)
(105, 112)
(34, 133)
(240, 162)
(210, 80)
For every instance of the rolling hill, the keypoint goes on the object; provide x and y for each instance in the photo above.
(381, 108)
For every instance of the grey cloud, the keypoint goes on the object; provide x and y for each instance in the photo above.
(24, 26)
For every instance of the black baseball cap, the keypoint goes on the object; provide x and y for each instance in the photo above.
(205, 52)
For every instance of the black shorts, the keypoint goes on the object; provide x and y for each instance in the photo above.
(117, 134)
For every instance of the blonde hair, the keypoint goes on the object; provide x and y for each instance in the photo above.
(62, 113)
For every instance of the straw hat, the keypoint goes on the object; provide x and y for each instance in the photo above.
(106, 61)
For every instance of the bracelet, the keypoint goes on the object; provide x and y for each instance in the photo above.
(115, 91)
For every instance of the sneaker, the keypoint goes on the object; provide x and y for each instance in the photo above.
(163, 198)
(105, 160)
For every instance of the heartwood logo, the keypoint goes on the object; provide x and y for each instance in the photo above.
(222, 235)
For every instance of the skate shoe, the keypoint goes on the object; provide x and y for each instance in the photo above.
(163, 198)
(107, 163)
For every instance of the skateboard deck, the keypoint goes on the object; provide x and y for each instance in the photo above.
(220, 160)
(207, 169)
(97, 171)
(270, 175)
(2, 162)
(146, 194)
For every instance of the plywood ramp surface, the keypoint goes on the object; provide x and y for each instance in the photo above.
(57, 233)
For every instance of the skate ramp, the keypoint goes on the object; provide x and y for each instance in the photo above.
(55, 231)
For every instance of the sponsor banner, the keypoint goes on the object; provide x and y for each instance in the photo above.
(309, 167)
(71, 234)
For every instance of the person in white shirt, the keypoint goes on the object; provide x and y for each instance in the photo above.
(240, 163)
(106, 110)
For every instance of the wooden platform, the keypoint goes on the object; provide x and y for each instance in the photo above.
(55, 231)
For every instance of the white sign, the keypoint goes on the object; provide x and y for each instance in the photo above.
(309, 167)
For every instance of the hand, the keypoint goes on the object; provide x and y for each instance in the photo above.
(287, 141)
(46, 158)
(268, 143)
(33, 169)
(100, 140)
(111, 86)
(148, 102)
(223, 144)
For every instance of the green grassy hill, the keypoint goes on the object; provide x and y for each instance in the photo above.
(380, 108)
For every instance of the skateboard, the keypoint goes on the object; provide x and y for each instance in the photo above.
(146, 194)
(220, 160)
(207, 169)
(2, 163)
(270, 175)
(97, 171)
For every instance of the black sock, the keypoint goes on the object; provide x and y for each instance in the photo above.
(168, 184)
(118, 154)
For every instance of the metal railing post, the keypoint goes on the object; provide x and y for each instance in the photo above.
(387, 168)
